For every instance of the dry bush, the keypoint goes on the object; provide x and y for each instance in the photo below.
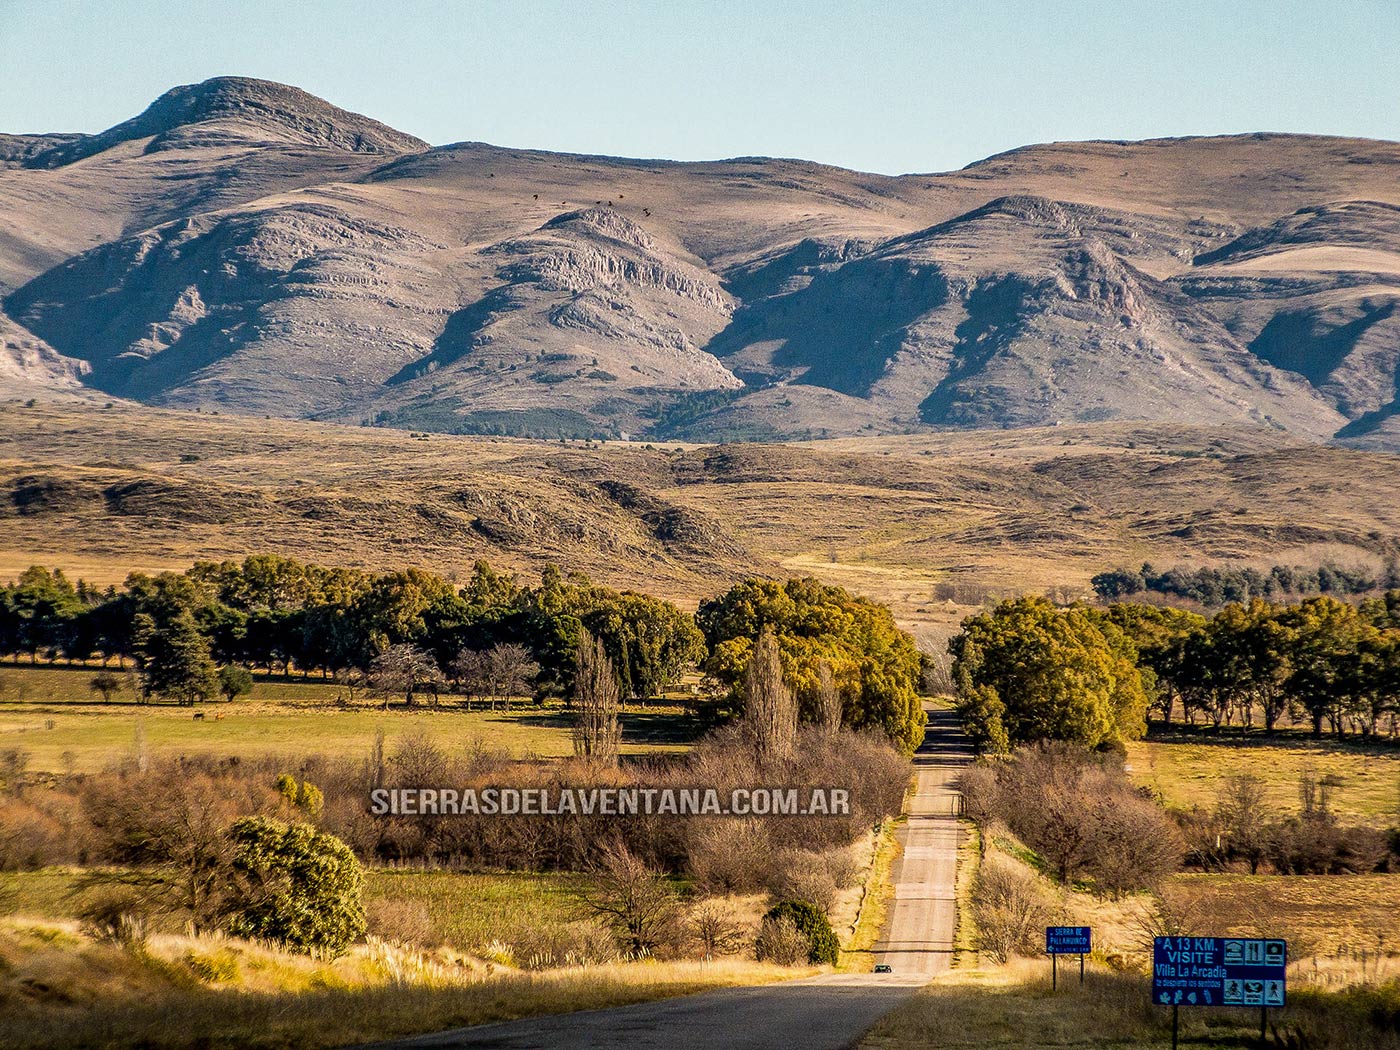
(402, 922)
(1010, 909)
(728, 856)
(818, 876)
(714, 929)
(576, 944)
(117, 917)
(1135, 844)
(780, 941)
(1081, 813)
(639, 903)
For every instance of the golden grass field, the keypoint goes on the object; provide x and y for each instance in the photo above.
(1188, 771)
(50, 714)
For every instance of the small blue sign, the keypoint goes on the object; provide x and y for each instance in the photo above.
(1219, 971)
(1067, 940)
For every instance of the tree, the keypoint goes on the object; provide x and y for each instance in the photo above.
(400, 670)
(510, 671)
(295, 885)
(597, 731)
(770, 709)
(638, 902)
(235, 681)
(1242, 818)
(822, 946)
(1327, 635)
(826, 711)
(1161, 636)
(175, 660)
(471, 671)
(874, 664)
(1027, 671)
(715, 930)
(106, 683)
(40, 605)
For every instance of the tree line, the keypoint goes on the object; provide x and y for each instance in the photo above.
(414, 634)
(1028, 670)
(1214, 587)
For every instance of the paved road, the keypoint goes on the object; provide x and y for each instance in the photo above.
(919, 935)
(830, 1012)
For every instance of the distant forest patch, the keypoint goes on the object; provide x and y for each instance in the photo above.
(1221, 586)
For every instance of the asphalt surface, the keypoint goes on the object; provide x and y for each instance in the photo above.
(830, 1012)
(919, 935)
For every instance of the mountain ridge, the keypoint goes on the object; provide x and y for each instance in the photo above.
(311, 262)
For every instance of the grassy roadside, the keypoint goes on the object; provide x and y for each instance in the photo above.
(858, 954)
(61, 989)
(969, 858)
(1012, 1008)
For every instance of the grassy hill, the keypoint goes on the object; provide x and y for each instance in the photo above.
(931, 524)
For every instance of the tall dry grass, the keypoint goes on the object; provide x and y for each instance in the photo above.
(60, 989)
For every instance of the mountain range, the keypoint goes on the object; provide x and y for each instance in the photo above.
(247, 248)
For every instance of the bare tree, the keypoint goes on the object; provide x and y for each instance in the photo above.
(639, 903)
(511, 672)
(471, 671)
(597, 731)
(827, 708)
(770, 710)
(401, 670)
(715, 930)
(1243, 819)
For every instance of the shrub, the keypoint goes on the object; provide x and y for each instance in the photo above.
(715, 929)
(1009, 908)
(297, 886)
(117, 918)
(403, 922)
(780, 941)
(1080, 812)
(812, 923)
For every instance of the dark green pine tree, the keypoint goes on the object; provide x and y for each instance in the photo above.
(176, 663)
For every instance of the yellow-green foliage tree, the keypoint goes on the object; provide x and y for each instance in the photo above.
(1027, 670)
(873, 665)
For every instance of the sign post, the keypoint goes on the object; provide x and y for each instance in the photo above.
(1066, 940)
(1219, 971)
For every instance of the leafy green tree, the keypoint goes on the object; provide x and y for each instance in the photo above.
(811, 921)
(295, 885)
(174, 660)
(235, 681)
(874, 666)
(1057, 674)
(1161, 636)
(1327, 635)
(40, 606)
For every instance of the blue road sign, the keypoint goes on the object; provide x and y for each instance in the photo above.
(1067, 940)
(1218, 971)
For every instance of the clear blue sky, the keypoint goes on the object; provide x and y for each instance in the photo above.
(893, 86)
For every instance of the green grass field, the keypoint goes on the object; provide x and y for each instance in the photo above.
(467, 912)
(1187, 770)
(51, 715)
